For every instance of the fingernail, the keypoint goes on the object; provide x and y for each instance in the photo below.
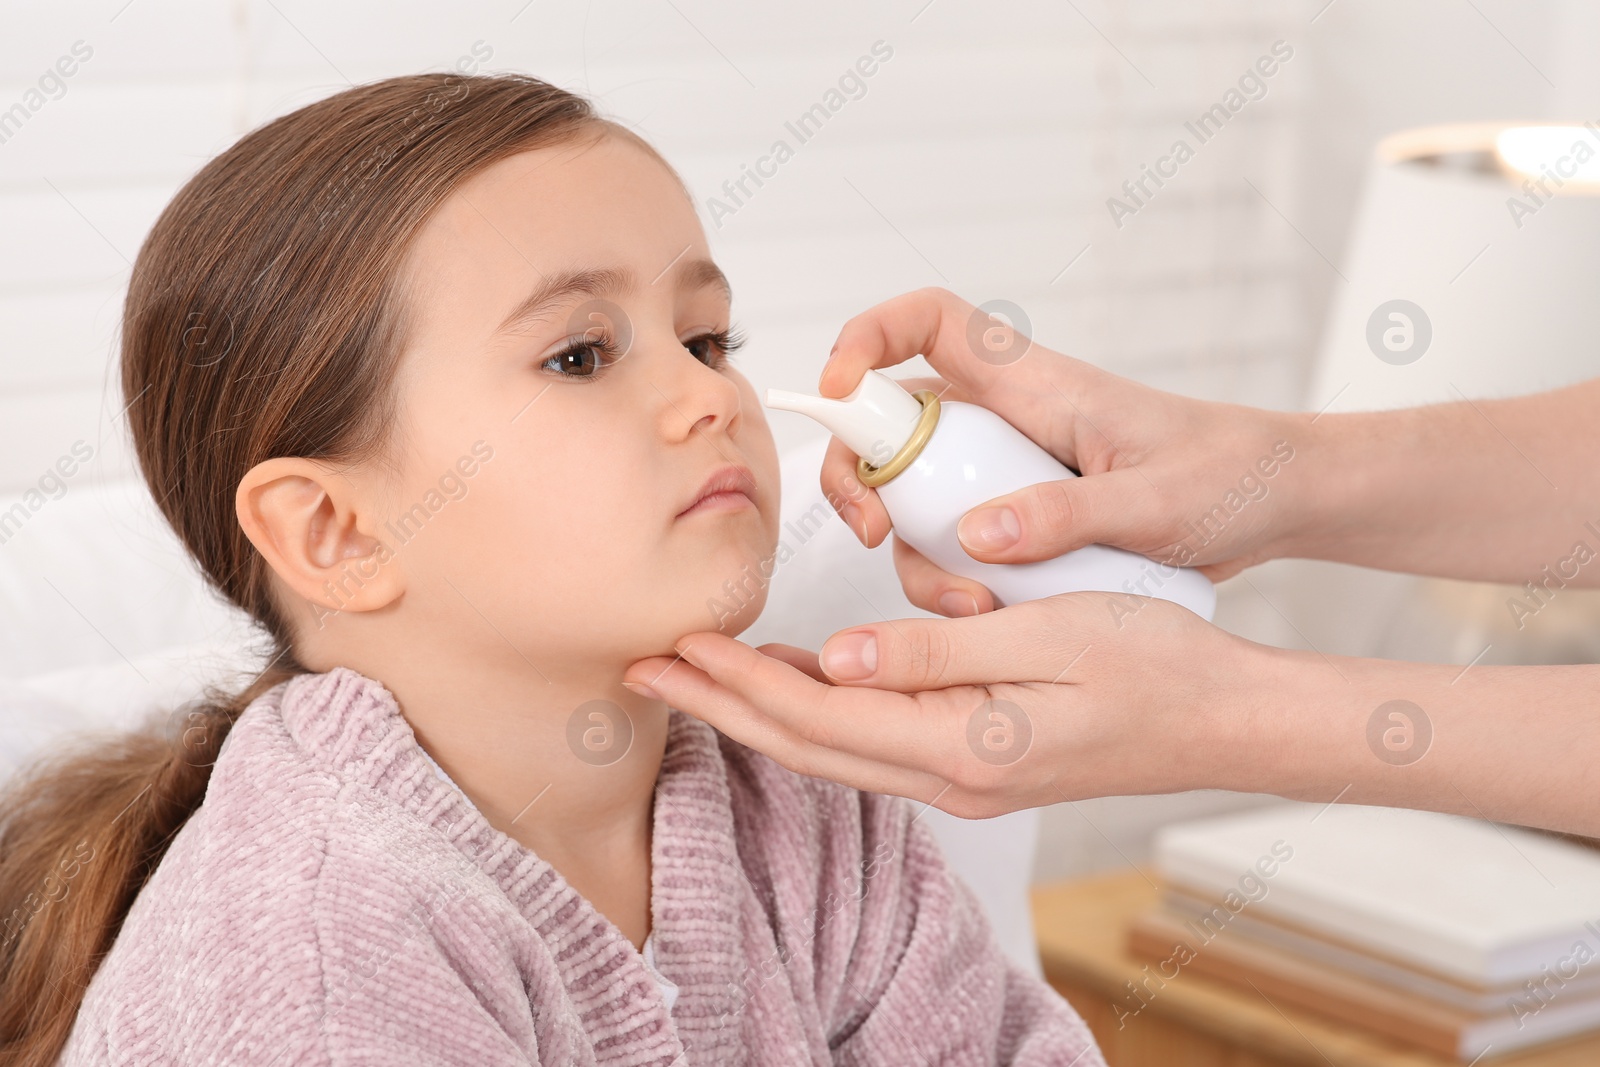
(852, 656)
(955, 603)
(643, 690)
(990, 528)
(852, 518)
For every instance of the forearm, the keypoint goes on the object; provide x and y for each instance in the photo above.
(1492, 490)
(1511, 744)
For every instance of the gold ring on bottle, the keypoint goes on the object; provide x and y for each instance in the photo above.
(876, 476)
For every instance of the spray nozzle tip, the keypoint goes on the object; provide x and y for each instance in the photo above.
(878, 413)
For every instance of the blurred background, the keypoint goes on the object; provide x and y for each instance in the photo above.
(987, 152)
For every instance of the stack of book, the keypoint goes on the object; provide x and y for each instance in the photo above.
(1454, 935)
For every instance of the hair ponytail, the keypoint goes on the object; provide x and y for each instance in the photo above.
(264, 318)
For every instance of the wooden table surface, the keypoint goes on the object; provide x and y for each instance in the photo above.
(1196, 1021)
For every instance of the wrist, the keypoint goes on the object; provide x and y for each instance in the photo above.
(1317, 494)
(1355, 472)
(1283, 724)
(1229, 733)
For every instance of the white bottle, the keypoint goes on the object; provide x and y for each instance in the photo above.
(936, 460)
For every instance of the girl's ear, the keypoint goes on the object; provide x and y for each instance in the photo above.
(311, 526)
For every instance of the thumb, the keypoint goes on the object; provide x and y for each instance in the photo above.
(1034, 641)
(1045, 520)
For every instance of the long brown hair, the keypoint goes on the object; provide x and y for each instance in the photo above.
(264, 318)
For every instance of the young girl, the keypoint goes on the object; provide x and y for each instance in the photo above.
(431, 378)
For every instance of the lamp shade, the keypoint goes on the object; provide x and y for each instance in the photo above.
(1473, 269)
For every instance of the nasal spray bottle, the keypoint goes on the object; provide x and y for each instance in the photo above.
(938, 460)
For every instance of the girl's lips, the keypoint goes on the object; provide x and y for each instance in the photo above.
(728, 499)
(727, 487)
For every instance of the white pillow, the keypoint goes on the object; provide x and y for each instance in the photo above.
(104, 619)
(97, 577)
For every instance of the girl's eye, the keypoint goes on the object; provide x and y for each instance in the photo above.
(713, 348)
(584, 357)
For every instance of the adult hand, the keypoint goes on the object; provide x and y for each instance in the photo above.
(1038, 702)
(1184, 481)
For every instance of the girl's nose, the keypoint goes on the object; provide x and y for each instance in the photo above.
(699, 398)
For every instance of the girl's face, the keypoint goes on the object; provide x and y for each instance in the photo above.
(563, 400)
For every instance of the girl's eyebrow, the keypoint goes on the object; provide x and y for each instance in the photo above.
(703, 274)
(554, 288)
(604, 281)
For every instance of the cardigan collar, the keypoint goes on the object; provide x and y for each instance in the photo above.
(355, 724)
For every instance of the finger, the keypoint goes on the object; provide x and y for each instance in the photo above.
(693, 691)
(684, 686)
(1039, 391)
(884, 727)
(938, 325)
(925, 322)
(885, 334)
(856, 503)
(801, 659)
(869, 740)
(1043, 521)
(932, 588)
(1034, 641)
(1221, 572)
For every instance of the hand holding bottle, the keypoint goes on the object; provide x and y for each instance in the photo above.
(932, 460)
(1163, 475)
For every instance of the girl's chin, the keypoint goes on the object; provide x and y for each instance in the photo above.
(734, 613)
(721, 582)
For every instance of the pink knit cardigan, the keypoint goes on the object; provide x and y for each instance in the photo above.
(334, 901)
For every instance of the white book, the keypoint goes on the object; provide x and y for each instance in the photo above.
(1286, 978)
(1483, 905)
(1381, 970)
